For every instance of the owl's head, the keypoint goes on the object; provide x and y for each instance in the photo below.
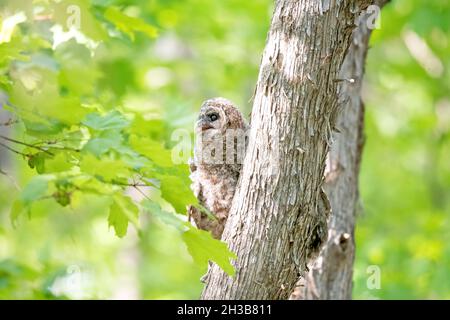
(219, 114)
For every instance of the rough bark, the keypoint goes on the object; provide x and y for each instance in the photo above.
(331, 274)
(276, 205)
(330, 277)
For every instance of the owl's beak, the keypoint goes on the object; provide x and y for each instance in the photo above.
(203, 125)
(207, 127)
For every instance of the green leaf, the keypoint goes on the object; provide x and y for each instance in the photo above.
(78, 73)
(16, 210)
(200, 244)
(177, 192)
(91, 185)
(43, 127)
(37, 161)
(118, 220)
(11, 51)
(129, 25)
(63, 198)
(77, 13)
(36, 94)
(167, 217)
(58, 163)
(112, 120)
(153, 128)
(65, 189)
(35, 189)
(103, 142)
(203, 247)
(108, 169)
(152, 150)
(118, 76)
(122, 211)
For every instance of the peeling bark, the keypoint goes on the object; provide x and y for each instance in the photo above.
(276, 209)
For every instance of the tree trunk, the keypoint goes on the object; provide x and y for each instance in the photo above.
(276, 213)
(331, 274)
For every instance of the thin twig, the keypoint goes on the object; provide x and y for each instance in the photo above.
(134, 184)
(63, 148)
(53, 145)
(141, 192)
(11, 149)
(14, 182)
(9, 122)
(26, 144)
(56, 141)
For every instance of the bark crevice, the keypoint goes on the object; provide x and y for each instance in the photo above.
(277, 218)
(331, 274)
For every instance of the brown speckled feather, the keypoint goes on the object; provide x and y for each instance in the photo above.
(214, 184)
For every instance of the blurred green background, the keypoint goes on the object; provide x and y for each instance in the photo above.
(213, 48)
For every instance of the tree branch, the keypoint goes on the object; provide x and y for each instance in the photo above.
(13, 150)
(26, 144)
(8, 123)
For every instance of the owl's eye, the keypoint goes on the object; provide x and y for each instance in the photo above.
(213, 117)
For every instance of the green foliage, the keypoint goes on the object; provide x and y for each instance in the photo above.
(35, 189)
(111, 121)
(97, 108)
(199, 243)
(122, 211)
(405, 174)
(128, 24)
(70, 74)
(203, 249)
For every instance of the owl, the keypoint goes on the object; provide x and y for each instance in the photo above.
(220, 143)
